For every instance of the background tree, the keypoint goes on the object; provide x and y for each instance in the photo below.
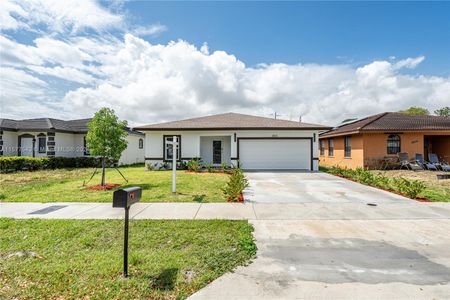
(443, 112)
(106, 137)
(415, 110)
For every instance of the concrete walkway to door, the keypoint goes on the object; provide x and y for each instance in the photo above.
(312, 187)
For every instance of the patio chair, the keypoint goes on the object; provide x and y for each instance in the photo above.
(433, 158)
(424, 164)
(405, 162)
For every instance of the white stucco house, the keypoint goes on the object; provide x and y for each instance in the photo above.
(256, 143)
(46, 137)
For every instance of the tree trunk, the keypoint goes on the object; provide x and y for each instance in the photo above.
(103, 171)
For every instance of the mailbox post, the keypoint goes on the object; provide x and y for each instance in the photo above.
(124, 198)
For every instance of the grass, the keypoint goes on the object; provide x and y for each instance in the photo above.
(436, 190)
(67, 185)
(82, 259)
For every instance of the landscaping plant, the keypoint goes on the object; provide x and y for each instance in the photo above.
(9, 164)
(235, 186)
(193, 165)
(106, 137)
(410, 188)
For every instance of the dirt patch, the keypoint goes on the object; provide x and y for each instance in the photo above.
(105, 187)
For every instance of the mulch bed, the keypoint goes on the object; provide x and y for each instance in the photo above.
(240, 199)
(105, 187)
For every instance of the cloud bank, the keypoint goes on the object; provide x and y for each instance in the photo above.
(73, 74)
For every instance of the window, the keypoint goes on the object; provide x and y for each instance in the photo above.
(42, 144)
(393, 144)
(168, 148)
(85, 147)
(330, 147)
(348, 146)
(322, 147)
(141, 144)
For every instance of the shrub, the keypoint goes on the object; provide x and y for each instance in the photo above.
(193, 165)
(363, 176)
(236, 185)
(411, 188)
(209, 167)
(25, 163)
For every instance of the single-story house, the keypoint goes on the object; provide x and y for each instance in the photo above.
(231, 138)
(46, 137)
(373, 140)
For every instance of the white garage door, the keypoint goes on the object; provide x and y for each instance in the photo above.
(287, 154)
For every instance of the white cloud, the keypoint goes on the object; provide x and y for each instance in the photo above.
(151, 30)
(66, 73)
(59, 16)
(409, 63)
(149, 83)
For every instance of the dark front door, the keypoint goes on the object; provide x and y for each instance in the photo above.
(217, 152)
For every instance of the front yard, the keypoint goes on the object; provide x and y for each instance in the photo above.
(65, 185)
(436, 190)
(75, 259)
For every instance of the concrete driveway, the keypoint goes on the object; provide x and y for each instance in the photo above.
(398, 249)
(342, 259)
(311, 187)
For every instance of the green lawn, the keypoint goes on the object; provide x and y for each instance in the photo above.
(82, 259)
(67, 185)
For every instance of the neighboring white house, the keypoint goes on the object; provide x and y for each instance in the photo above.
(45, 137)
(255, 142)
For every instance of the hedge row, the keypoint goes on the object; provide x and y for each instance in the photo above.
(24, 163)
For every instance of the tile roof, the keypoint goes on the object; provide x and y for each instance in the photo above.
(49, 124)
(391, 121)
(231, 121)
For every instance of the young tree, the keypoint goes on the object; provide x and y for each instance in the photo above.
(106, 137)
(415, 110)
(443, 112)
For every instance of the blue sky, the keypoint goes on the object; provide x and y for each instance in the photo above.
(159, 61)
(308, 32)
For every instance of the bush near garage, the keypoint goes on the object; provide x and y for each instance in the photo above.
(23, 163)
(235, 186)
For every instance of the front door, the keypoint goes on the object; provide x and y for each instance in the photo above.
(26, 146)
(217, 152)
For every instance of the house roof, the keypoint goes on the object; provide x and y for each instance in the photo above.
(230, 121)
(49, 124)
(391, 121)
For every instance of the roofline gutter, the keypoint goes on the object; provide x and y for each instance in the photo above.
(231, 128)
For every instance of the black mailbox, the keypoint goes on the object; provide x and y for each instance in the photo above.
(126, 197)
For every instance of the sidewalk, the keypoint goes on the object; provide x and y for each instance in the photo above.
(231, 211)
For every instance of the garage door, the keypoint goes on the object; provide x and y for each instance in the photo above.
(283, 154)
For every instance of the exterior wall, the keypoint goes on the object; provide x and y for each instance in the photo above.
(375, 146)
(206, 148)
(9, 143)
(372, 147)
(132, 154)
(71, 145)
(65, 145)
(190, 142)
(356, 158)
